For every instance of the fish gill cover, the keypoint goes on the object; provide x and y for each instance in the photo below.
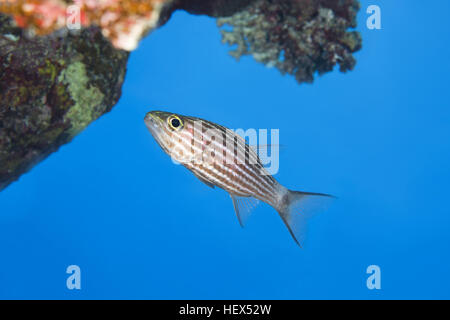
(53, 82)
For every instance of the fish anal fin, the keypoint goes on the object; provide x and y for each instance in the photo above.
(243, 206)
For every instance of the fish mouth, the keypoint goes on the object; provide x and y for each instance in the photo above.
(153, 122)
(156, 115)
(152, 115)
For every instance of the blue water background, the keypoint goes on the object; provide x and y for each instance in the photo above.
(139, 226)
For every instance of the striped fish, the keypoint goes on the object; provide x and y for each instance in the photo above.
(219, 157)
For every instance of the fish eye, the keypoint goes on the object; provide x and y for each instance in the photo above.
(175, 122)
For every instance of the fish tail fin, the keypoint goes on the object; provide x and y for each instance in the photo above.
(297, 207)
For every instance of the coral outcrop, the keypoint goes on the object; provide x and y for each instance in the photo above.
(299, 37)
(124, 23)
(51, 88)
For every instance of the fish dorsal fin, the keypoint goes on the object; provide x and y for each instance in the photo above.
(257, 148)
(243, 206)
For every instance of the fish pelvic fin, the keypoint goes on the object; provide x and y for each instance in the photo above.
(243, 206)
(296, 207)
(202, 179)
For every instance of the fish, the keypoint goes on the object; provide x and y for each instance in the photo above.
(219, 157)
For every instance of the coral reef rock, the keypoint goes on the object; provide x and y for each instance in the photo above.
(123, 22)
(299, 37)
(51, 88)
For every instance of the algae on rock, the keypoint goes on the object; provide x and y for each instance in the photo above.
(51, 88)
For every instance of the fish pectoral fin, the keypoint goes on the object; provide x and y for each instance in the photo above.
(243, 206)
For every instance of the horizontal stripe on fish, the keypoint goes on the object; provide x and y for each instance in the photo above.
(189, 142)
